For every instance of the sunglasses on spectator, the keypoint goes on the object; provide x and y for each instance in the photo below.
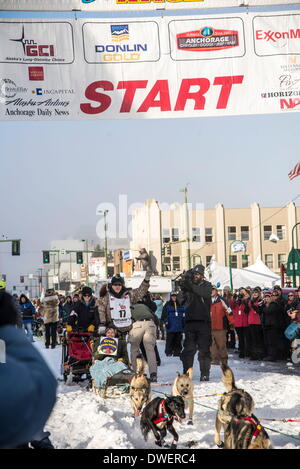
(291, 296)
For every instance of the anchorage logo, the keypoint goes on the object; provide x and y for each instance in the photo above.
(207, 39)
(119, 32)
(120, 52)
(32, 49)
(275, 36)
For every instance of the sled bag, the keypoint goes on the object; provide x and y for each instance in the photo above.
(292, 331)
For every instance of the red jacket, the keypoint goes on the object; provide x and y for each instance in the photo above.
(253, 315)
(219, 311)
(240, 317)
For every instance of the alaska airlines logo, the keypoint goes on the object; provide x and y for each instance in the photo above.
(119, 32)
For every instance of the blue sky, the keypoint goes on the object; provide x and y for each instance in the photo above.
(54, 174)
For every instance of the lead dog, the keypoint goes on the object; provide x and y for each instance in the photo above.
(159, 415)
(242, 429)
(183, 386)
(140, 389)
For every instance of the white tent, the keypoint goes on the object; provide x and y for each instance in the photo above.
(217, 273)
(260, 267)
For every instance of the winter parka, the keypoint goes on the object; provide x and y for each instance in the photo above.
(134, 295)
(49, 307)
(173, 316)
(239, 314)
(221, 315)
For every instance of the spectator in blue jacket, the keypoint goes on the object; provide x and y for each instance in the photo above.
(28, 388)
(28, 310)
(173, 317)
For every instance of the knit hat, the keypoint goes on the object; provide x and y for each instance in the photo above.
(199, 269)
(117, 280)
(86, 291)
(267, 293)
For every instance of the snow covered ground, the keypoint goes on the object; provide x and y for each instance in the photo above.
(81, 419)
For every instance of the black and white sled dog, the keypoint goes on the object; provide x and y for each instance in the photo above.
(159, 416)
(242, 430)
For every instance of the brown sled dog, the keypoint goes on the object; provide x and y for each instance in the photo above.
(183, 386)
(242, 429)
(140, 390)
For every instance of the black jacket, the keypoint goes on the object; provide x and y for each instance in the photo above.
(274, 316)
(86, 315)
(197, 300)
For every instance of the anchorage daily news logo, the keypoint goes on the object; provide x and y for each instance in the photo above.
(36, 42)
(207, 39)
(121, 43)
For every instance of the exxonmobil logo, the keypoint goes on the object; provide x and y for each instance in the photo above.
(274, 36)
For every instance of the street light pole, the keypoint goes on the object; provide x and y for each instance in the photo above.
(187, 226)
(293, 255)
(105, 212)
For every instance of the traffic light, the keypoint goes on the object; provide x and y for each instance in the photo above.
(79, 257)
(21, 278)
(168, 249)
(163, 251)
(15, 247)
(46, 257)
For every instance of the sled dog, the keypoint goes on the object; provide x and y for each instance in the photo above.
(140, 389)
(159, 416)
(242, 429)
(183, 386)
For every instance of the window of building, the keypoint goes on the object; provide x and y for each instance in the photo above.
(269, 260)
(231, 233)
(167, 264)
(166, 235)
(196, 235)
(208, 235)
(245, 261)
(280, 231)
(175, 234)
(267, 232)
(176, 263)
(245, 233)
(281, 260)
(234, 262)
(207, 260)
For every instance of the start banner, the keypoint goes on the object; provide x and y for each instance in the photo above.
(150, 68)
(133, 5)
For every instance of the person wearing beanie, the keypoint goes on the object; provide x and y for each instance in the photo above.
(240, 321)
(84, 315)
(173, 317)
(116, 300)
(196, 298)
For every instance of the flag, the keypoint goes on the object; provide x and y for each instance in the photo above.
(295, 172)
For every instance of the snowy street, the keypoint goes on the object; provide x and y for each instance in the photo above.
(83, 420)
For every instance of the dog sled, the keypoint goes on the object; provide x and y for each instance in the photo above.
(111, 378)
(76, 356)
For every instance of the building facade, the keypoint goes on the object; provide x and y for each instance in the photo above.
(165, 231)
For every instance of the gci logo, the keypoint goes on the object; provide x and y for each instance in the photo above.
(32, 49)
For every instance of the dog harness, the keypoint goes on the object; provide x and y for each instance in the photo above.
(162, 413)
(256, 426)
